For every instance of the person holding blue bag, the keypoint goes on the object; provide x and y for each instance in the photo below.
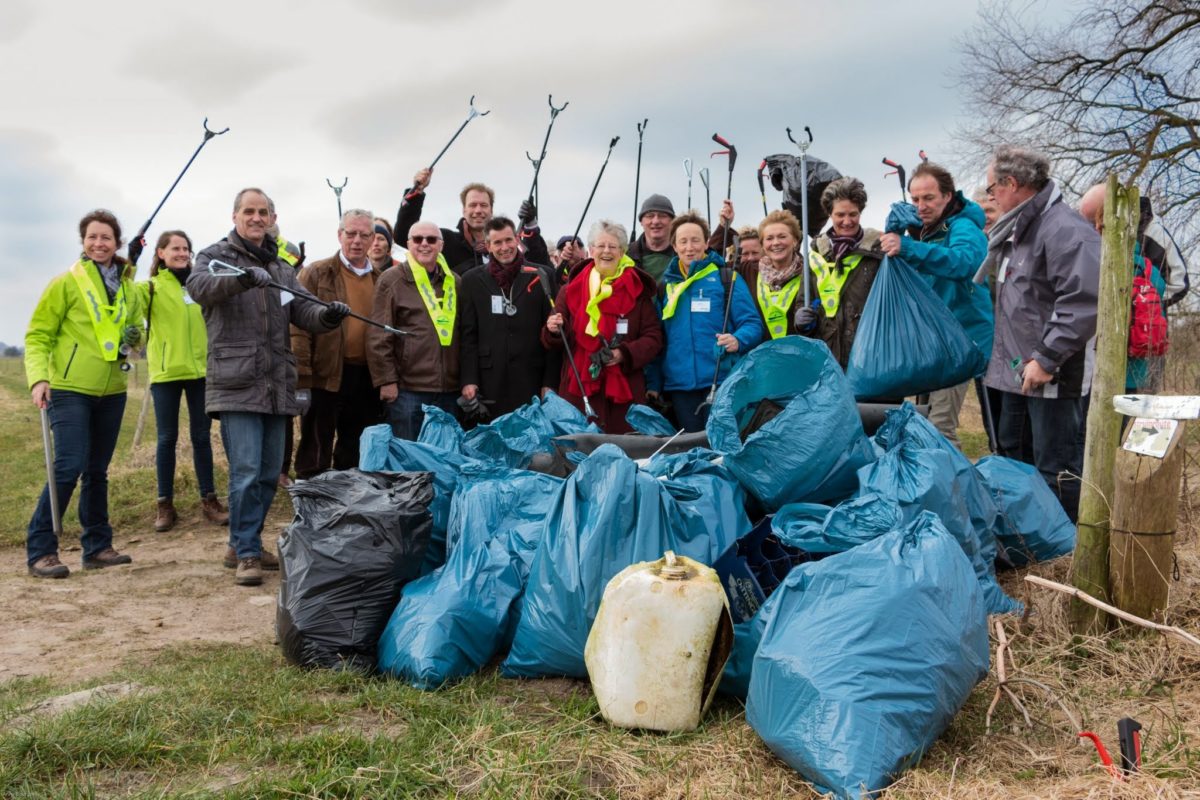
(944, 241)
(699, 342)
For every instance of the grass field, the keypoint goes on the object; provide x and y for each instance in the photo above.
(213, 720)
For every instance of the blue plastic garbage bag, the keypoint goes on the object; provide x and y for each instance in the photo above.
(735, 680)
(452, 622)
(512, 439)
(820, 529)
(867, 657)
(440, 429)
(811, 450)
(1034, 526)
(609, 514)
(908, 342)
(645, 419)
(717, 502)
(901, 217)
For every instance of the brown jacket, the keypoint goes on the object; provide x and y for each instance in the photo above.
(319, 356)
(838, 332)
(417, 362)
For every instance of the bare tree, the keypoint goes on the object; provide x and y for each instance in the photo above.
(1114, 88)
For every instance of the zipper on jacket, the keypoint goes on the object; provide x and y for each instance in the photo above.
(71, 360)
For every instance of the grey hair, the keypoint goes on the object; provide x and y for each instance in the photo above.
(356, 213)
(614, 229)
(1027, 167)
(237, 200)
(847, 188)
(980, 195)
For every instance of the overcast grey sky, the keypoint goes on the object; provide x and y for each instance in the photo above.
(104, 103)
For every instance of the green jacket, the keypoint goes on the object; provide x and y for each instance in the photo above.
(61, 345)
(177, 347)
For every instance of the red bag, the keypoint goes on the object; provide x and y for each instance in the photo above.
(1147, 324)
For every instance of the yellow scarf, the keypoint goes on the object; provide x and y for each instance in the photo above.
(599, 290)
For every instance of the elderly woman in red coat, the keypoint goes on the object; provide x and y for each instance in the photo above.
(606, 312)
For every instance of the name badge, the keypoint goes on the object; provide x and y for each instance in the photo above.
(497, 304)
(622, 326)
(187, 299)
(285, 297)
(701, 305)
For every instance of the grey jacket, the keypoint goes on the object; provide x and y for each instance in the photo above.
(1047, 283)
(250, 362)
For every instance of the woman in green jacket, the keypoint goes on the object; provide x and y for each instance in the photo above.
(177, 350)
(86, 322)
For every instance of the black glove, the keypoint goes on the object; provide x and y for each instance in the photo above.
(254, 278)
(806, 318)
(527, 214)
(473, 408)
(333, 315)
(136, 245)
(131, 336)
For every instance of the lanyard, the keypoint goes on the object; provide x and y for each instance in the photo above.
(676, 290)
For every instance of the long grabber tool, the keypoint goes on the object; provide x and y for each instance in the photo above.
(588, 411)
(337, 190)
(803, 207)
(637, 179)
(51, 482)
(224, 270)
(472, 114)
(537, 163)
(899, 170)
(687, 170)
(208, 134)
(762, 187)
(596, 185)
(731, 152)
(707, 196)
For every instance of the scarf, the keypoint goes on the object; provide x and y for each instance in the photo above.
(624, 289)
(181, 275)
(600, 288)
(774, 277)
(998, 236)
(841, 245)
(504, 274)
(264, 255)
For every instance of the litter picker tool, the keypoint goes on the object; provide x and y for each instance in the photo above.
(731, 152)
(762, 187)
(537, 163)
(921, 154)
(596, 185)
(337, 190)
(707, 196)
(687, 170)
(898, 169)
(472, 114)
(51, 483)
(803, 207)
(588, 411)
(637, 179)
(139, 237)
(224, 270)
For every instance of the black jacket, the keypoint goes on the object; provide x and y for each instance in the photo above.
(503, 355)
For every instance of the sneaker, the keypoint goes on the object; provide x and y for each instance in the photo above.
(249, 572)
(166, 517)
(214, 512)
(106, 558)
(49, 567)
(268, 559)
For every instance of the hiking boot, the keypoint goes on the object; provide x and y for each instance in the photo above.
(268, 559)
(249, 572)
(166, 518)
(106, 558)
(214, 512)
(49, 567)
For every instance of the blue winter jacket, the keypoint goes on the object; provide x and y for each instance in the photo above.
(949, 257)
(690, 356)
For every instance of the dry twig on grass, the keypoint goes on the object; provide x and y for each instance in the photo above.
(1174, 630)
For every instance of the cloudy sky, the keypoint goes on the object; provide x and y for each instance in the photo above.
(104, 104)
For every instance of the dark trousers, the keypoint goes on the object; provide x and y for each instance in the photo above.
(330, 429)
(687, 409)
(85, 436)
(166, 418)
(1045, 433)
(289, 441)
(405, 414)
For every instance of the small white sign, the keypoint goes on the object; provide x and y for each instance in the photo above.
(1157, 406)
(497, 304)
(622, 327)
(1150, 437)
(701, 305)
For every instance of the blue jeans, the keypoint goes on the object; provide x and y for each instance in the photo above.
(405, 415)
(85, 436)
(1045, 433)
(254, 447)
(166, 418)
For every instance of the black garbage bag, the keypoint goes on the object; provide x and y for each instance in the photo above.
(784, 170)
(356, 539)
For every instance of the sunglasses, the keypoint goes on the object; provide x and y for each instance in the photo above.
(424, 239)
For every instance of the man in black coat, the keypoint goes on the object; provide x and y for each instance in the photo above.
(465, 247)
(502, 309)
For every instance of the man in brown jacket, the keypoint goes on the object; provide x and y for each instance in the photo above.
(333, 366)
(419, 295)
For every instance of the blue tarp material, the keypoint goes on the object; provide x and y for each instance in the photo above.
(512, 439)
(645, 419)
(609, 514)
(452, 622)
(811, 450)
(867, 657)
(735, 680)
(440, 429)
(908, 342)
(1034, 526)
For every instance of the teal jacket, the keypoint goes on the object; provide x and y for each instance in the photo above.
(948, 257)
(177, 347)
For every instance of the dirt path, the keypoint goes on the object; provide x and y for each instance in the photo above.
(175, 591)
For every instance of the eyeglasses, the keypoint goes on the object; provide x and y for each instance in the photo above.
(357, 234)
(424, 239)
(988, 189)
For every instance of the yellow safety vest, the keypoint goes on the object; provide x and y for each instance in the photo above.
(108, 320)
(441, 312)
(281, 249)
(830, 279)
(775, 304)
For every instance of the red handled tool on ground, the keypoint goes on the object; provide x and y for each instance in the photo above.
(1129, 734)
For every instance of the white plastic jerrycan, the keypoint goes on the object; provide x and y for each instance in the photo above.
(659, 643)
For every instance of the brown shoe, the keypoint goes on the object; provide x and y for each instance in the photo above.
(214, 512)
(49, 567)
(106, 558)
(267, 559)
(166, 518)
(249, 572)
